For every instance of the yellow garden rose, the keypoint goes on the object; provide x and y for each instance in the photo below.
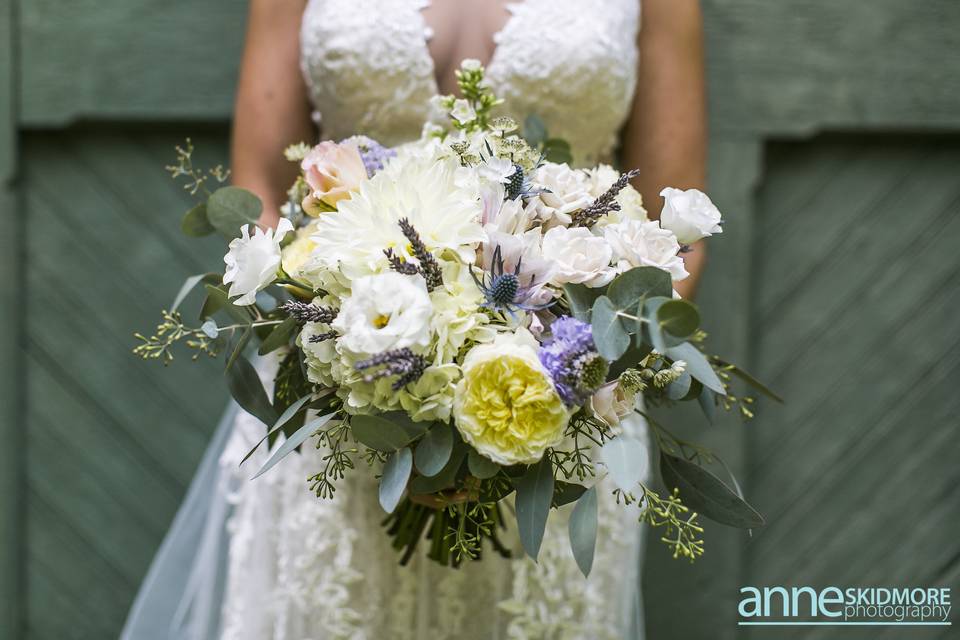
(506, 405)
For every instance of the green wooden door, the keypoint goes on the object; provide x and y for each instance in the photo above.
(854, 318)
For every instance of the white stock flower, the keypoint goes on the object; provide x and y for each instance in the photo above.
(252, 261)
(565, 190)
(645, 244)
(462, 111)
(578, 256)
(690, 214)
(385, 311)
(471, 64)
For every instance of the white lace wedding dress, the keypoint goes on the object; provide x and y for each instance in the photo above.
(266, 559)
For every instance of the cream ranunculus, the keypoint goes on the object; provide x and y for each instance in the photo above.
(578, 256)
(645, 244)
(383, 312)
(690, 215)
(333, 171)
(252, 261)
(506, 405)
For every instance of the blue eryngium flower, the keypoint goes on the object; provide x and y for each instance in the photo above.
(508, 289)
(571, 357)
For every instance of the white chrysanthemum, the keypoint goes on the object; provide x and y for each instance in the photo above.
(383, 312)
(430, 192)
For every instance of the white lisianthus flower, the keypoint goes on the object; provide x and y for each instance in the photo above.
(252, 261)
(578, 256)
(462, 111)
(565, 190)
(429, 190)
(645, 244)
(383, 312)
(690, 215)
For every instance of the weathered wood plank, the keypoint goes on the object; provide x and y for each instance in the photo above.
(11, 370)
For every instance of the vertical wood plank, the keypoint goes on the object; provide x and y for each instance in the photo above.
(11, 373)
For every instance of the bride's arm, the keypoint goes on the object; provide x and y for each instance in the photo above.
(272, 109)
(666, 134)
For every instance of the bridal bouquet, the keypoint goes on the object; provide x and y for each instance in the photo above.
(473, 319)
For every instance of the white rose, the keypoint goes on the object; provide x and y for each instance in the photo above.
(578, 256)
(602, 178)
(565, 190)
(689, 214)
(385, 311)
(252, 262)
(645, 244)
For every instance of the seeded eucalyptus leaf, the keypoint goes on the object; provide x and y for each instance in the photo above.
(753, 382)
(217, 300)
(566, 492)
(245, 387)
(581, 299)
(704, 493)
(279, 337)
(630, 287)
(480, 466)
(534, 495)
(678, 318)
(651, 307)
(188, 286)
(295, 440)
(379, 433)
(396, 473)
(240, 346)
(534, 130)
(210, 329)
(284, 418)
(583, 530)
(679, 388)
(195, 222)
(708, 403)
(611, 338)
(424, 485)
(627, 460)
(229, 208)
(434, 449)
(697, 366)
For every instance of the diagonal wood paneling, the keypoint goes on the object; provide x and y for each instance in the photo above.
(857, 294)
(111, 441)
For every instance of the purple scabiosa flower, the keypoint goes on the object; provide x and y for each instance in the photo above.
(373, 154)
(571, 357)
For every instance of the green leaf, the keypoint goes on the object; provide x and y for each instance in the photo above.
(679, 318)
(627, 460)
(749, 379)
(388, 432)
(229, 208)
(697, 365)
(246, 389)
(534, 130)
(557, 150)
(630, 287)
(434, 449)
(425, 485)
(583, 530)
(704, 493)
(534, 495)
(299, 437)
(195, 222)
(566, 492)
(581, 299)
(188, 286)
(396, 473)
(650, 309)
(708, 403)
(279, 337)
(217, 300)
(679, 388)
(609, 335)
(480, 466)
(284, 418)
(242, 343)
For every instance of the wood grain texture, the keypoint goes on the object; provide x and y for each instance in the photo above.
(11, 370)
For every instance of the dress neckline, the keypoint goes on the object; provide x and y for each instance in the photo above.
(428, 33)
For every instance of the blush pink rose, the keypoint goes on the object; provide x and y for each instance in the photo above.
(333, 171)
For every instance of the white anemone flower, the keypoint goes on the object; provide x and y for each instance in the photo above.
(252, 261)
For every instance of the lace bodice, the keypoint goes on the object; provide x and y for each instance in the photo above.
(571, 62)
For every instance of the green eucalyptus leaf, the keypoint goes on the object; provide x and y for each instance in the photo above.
(217, 300)
(396, 474)
(380, 433)
(245, 387)
(678, 318)
(697, 365)
(189, 284)
(750, 380)
(195, 222)
(566, 492)
(295, 440)
(583, 530)
(651, 307)
(704, 493)
(230, 208)
(434, 449)
(627, 460)
(611, 338)
(534, 130)
(679, 388)
(708, 403)
(581, 298)
(557, 150)
(210, 329)
(240, 346)
(284, 418)
(480, 466)
(534, 495)
(424, 485)
(279, 337)
(631, 287)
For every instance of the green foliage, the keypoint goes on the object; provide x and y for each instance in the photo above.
(279, 336)
(582, 529)
(681, 531)
(336, 461)
(294, 441)
(609, 334)
(169, 332)
(434, 449)
(195, 179)
(245, 387)
(387, 432)
(580, 297)
(195, 222)
(534, 496)
(697, 365)
(706, 493)
(396, 473)
(627, 460)
(481, 466)
(230, 208)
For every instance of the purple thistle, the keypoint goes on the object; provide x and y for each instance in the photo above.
(373, 154)
(571, 358)
(503, 289)
(404, 363)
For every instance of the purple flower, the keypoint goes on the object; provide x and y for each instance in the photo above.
(571, 358)
(373, 154)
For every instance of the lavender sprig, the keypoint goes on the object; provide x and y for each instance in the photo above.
(605, 203)
(305, 312)
(400, 265)
(429, 267)
(406, 364)
(323, 337)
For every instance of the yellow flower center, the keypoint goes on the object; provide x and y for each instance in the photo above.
(381, 321)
